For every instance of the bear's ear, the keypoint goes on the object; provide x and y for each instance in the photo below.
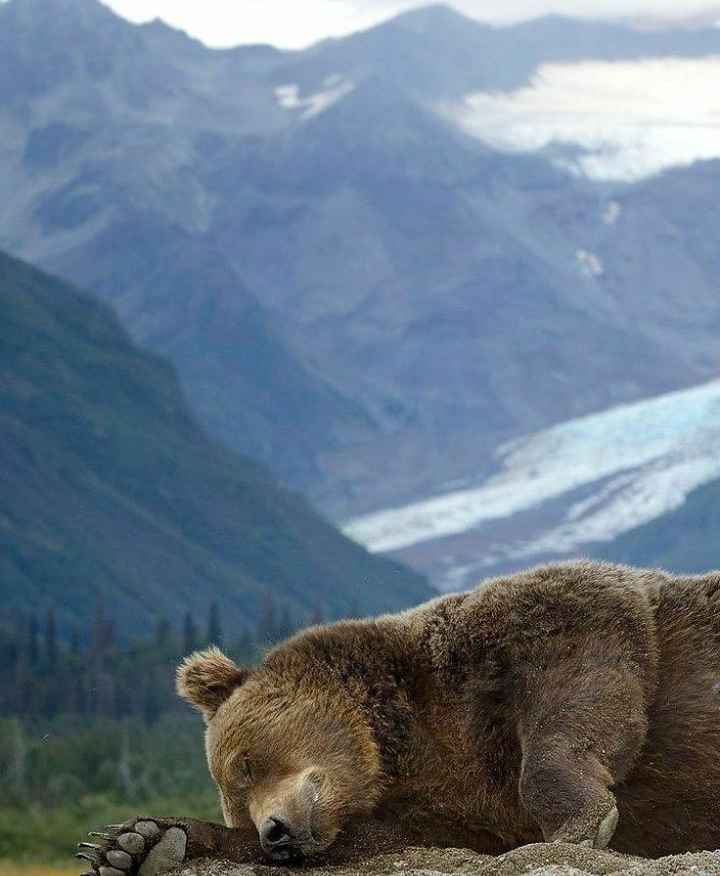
(207, 678)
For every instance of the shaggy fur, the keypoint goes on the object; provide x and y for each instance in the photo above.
(537, 706)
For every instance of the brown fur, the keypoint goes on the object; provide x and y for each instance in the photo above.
(526, 709)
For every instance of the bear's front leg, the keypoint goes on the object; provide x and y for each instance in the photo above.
(153, 846)
(582, 725)
(569, 796)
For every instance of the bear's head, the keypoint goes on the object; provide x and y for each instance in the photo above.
(289, 750)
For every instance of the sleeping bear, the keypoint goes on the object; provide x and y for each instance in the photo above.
(576, 702)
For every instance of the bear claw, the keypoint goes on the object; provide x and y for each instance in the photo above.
(606, 829)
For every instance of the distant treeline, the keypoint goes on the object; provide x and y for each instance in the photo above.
(42, 677)
(92, 724)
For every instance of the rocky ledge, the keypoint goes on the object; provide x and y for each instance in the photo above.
(555, 859)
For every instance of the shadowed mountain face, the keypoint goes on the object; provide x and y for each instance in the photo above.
(110, 489)
(685, 540)
(352, 288)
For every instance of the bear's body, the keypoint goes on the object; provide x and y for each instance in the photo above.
(526, 709)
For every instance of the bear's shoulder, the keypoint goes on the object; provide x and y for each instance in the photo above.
(513, 619)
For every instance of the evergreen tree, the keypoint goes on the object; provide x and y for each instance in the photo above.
(102, 635)
(75, 646)
(151, 704)
(285, 625)
(214, 634)
(267, 625)
(51, 642)
(190, 634)
(162, 634)
(318, 615)
(244, 646)
(33, 633)
(127, 776)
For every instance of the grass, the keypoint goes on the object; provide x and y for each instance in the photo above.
(11, 868)
(45, 837)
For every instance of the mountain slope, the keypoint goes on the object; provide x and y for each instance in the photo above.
(249, 388)
(99, 136)
(685, 540)
(451, 299)
(110, 489)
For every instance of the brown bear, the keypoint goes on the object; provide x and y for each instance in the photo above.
(577, 702)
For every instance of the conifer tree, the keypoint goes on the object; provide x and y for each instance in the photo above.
(214, 634)
(190, 634)
(33, 632)
(285, 624)
(162, 634)
(51, 642)
(267, 624)
(318, 615)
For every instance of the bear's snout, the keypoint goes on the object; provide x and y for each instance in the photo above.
(284, 819)
(276, 833)
(280, 839)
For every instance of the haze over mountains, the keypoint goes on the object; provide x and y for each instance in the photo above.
(365, 271)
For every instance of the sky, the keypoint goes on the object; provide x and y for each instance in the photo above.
(297, 23)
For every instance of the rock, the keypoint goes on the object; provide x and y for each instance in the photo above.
(556, 859)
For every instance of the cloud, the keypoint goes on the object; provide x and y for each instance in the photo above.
(297, 23)
(628, 120)
(284, 23)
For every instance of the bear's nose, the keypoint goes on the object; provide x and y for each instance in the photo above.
(274, 833)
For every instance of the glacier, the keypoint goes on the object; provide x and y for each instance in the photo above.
(627, 120)
(631, 463)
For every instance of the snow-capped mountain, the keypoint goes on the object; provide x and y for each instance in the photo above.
(366, 271)
(562, 490)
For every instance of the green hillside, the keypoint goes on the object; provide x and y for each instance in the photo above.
(685, 540)
(110, 489)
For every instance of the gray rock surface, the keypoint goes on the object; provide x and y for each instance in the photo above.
(535, 860)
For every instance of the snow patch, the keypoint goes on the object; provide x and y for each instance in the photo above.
(590, 264)
(645, 458)
(626, 120)
(288, 96)
(611, 213)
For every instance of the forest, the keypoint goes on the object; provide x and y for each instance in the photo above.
(91, 728)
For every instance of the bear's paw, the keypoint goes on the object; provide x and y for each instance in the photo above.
(142, 847)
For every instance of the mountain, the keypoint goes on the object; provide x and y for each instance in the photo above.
(108, 116)
(357, 283)
(435, 52)
(685, 540)
(634, 483)
(109, 488)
